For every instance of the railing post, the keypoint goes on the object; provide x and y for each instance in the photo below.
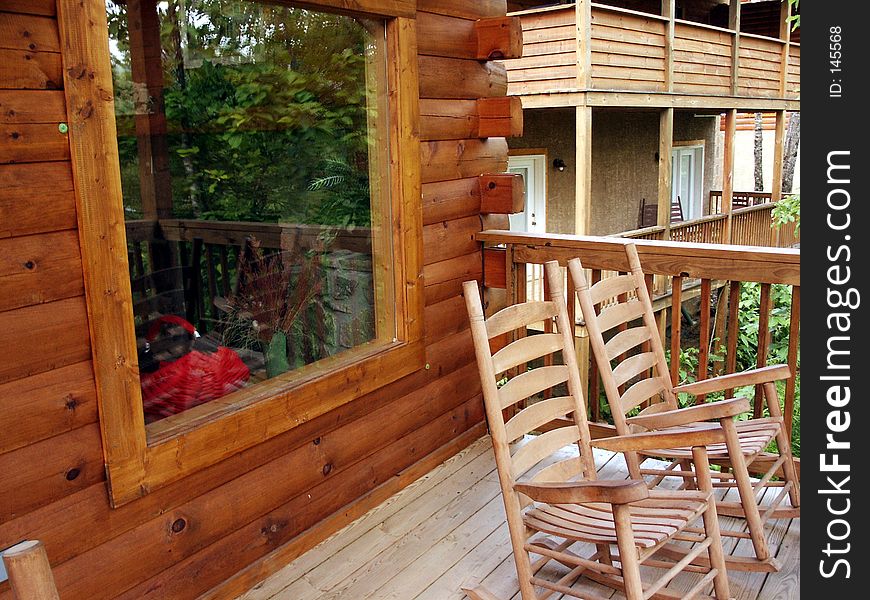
(734, 25)
(785, 36)
(669, 11)
(583, 19)
(30, 572)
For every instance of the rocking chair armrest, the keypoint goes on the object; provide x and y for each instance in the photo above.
(722, 409)
(576, 492)
(702, 435)
(733, 380)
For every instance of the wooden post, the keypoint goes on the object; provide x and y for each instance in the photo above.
(669, 11)
(583, 15)
(728, 172)
(155, 181)
(666, 143)
(734, 25)
(30, 572)
(778, 155)
(147, 71)
(583, 159)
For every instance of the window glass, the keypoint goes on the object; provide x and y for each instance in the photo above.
(252, 141)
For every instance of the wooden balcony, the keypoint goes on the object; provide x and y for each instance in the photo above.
(447, 530)
(630, 58)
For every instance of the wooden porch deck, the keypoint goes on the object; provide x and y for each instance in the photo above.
(448, 529)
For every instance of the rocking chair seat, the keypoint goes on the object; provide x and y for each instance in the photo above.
(754, 436)
(654, 521)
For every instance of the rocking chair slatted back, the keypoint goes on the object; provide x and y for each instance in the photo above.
(637, 349)
(530, 383)
(525, 354)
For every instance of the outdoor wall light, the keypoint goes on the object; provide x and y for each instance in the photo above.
(559, 164)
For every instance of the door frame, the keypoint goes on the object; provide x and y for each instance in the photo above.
(699, 147)
(541, 183)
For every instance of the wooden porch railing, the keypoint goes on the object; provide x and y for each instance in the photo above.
(723, 268)
(750, 226)
(738, 200)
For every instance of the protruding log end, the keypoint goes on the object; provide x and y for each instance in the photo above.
(499, 38)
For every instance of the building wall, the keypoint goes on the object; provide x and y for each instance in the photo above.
(552, 131)
(186, 538)
(624, 164)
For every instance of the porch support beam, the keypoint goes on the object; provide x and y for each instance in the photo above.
(666, 143)
(728, 172)
(778, 155)
(147, 72)
(583, 160)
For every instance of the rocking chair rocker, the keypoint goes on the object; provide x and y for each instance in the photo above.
(646, 376)
(558, 511)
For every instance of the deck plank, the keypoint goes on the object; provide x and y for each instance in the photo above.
(447, 531)
(782, 585)
(464, 469)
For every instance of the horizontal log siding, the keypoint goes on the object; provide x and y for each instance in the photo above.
(282, 488)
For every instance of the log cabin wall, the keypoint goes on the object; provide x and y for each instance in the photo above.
(221, 530)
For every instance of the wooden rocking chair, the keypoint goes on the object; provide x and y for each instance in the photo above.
(553, 506)
(645, 374)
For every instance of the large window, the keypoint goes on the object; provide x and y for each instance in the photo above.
(266, 182)
(251, 142)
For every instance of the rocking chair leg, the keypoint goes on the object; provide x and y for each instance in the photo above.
(711, 526)
(688, 483)
(480, 593)
(783, 444)
(747, 493)
(628, 555)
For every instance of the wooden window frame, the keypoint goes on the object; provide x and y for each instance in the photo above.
(136, 464)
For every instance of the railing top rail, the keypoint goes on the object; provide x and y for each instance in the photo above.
(705, 26)
(626, 11)
(632, 233)
(698, 221)
(541, 9)
(687, 259)
(763, 37)
(754, 208)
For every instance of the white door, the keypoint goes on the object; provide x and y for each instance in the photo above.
(533, 168)
(687, 178)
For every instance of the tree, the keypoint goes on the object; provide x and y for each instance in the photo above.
(757, 151)
(264, 104)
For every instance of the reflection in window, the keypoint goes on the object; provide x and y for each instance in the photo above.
(252, 145)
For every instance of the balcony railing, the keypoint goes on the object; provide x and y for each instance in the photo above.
(750, 226)
(631, 51)
(713, 273)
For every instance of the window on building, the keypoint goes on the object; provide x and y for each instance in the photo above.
(251, 142)
(270, 196)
